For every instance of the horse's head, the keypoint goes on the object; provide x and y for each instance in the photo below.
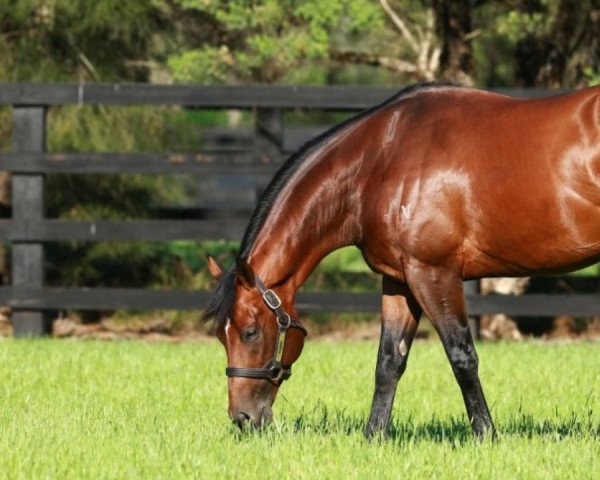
(261, 337)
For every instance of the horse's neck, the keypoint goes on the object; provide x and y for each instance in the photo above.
(312, 216)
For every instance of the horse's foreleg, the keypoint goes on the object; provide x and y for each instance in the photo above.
(399, 319)
(440, 293)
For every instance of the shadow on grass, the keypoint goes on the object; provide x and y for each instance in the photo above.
(453, 430)
(338, 422)
(575, 425)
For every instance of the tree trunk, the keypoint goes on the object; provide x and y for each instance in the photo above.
(560, 57)
(453, 26)
(585, 54)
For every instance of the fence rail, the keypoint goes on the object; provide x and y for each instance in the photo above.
(205, 162)
(120, 230)
(29, 230)
(52, 298)
(341, 98)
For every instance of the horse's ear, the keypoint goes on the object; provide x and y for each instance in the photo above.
(245, 273)
(215, 269)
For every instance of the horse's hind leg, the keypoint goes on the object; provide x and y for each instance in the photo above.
(440, 293)
(400, 316)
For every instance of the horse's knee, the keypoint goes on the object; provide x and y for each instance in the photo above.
(393, 356)
(464, 362)
(390, 367)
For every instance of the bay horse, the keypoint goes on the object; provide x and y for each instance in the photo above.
(436, 185)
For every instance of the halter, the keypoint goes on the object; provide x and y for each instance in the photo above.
(274, 371)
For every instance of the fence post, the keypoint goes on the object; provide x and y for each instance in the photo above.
(269, 131)
(29, 135)
(268, 134)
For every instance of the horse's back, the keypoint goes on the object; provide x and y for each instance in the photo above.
(486, 183)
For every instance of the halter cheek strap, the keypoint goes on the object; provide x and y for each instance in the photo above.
(274, 371)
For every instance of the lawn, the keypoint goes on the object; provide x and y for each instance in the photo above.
(77, 409)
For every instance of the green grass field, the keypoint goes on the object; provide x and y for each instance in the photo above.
(74, 409)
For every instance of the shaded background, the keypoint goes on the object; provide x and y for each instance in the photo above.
(486, 43)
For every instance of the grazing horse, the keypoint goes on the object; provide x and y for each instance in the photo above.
(436, 185)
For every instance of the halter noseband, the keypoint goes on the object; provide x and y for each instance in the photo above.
(274, 371)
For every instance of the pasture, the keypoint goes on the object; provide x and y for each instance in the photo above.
(75, 409)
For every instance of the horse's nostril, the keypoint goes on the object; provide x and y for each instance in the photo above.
(241, 418)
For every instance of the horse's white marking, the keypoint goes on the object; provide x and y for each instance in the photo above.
(402, 348)
(406, 211)
(227, 326)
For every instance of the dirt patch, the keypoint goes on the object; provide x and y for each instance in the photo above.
(502, 327)
(108, 329)
(160, 329)
(568, 327)
(5, 324)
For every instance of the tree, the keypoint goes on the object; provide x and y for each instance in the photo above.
(308, 42)
(552, 43)
(78, 40)
(572, 47)
(453, 26)
(423, 47)
(273, 41)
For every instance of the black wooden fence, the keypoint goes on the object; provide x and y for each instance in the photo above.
(28, 229)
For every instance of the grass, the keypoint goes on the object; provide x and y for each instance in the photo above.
(73, 409)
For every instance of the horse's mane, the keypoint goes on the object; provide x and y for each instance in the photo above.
(221, 304)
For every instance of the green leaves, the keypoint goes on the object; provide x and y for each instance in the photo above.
(266, 41)
(515, 24)
(206, 65)
(592, 75)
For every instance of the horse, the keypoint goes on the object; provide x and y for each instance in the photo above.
(436, 185)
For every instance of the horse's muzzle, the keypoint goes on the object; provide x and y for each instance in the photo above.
(246, 419)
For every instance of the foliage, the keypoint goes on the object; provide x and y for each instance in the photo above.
(123, 196)
(591, 271)
(103, 410)
(266, 41)
(542, 43)
(343, 269)
(515, 24)
(57, 40)
(77, 40)
(218, 41)
(593, 76)
(115, 129)
(397, 41)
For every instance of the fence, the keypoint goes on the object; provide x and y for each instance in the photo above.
(28, 229)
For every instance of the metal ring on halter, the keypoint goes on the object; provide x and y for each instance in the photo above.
(284, 324)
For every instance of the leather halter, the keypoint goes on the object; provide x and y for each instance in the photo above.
(274, 370)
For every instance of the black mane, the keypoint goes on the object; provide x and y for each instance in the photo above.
(221, 302)
(223, 299)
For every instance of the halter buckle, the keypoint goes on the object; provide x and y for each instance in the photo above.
(271, 299)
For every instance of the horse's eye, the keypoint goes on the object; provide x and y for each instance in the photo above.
(250, 334)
